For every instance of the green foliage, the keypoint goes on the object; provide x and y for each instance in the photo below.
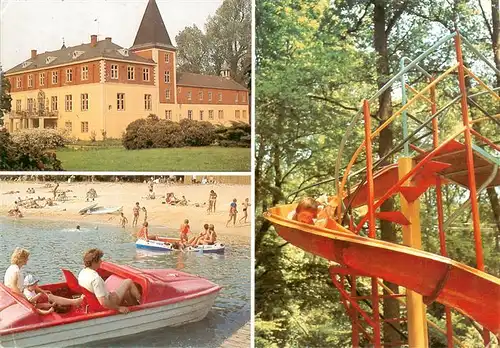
(25, 155)
(227, 39)
(5, 98)
(43, 139)
(155, 133)
(239, 134)
(316, 61)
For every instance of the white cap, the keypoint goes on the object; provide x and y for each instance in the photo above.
(30, 280)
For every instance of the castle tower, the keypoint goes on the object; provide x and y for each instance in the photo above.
(152, 41)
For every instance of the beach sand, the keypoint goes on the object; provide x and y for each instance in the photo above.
(160, 216)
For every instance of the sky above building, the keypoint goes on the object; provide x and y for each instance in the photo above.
(42, 24)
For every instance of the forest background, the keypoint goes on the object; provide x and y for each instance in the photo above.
(316, 61)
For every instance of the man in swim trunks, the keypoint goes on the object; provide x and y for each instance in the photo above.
(136, 211)
(92, 281)
(233, 211)
(245, 204)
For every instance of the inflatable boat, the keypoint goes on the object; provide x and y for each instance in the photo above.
(157, 245)
(169, 298)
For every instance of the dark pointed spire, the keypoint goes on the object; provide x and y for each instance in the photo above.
(152, 31)
(63, 45)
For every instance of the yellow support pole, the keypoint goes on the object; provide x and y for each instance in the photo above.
(417, 320)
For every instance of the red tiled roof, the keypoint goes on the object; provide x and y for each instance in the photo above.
(208, 81)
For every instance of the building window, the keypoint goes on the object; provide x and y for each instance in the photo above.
(168, 114)
(189, 95)
(167, 76)
(190, 114)
(55, 77)
(30, 80)
(209, 96)
(18, 105)
(85, 72)
(85, 127)
(200, 95)
(244, 114)
(114, 72)
(237, 114)
(85, 101)
(167, 94)
(179, 90)
(53, 103)
(236, 98)
(244, 98)
(210, 114)
(69, 75)
(145, 74)
(18, 82)
(30, 104)
(42, 79)
(220, 97)
(120, 101)
(68, 102)
(147, 102)
(221, 114)
(167, 58)
(68, 125)
(131, 73)
(201, 115)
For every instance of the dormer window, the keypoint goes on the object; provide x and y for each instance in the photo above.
(49, 60)
(77, 54)
(123, 52)
(25, 64)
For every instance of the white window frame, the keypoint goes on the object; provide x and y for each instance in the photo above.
(168, 115)
(201, 115)
(53, 102)
(120, 101)
(55, 77)
(220, 114)
(19, 105)
(200, 95)
(148, 102)
(167, 57)
(68, 102)
(190, 114)
(30, 80)
(114, 71)
(84, 127)
(167, 94)
(189, 96)
(19, 82)
(237, 114)
(30, 105)
(209, 96)
(84, 101)
(167, 77)
(69, 73)
(145, 74)
(85, 73)
(220, 97)
(41, 79)
(210, 114)
(130, 72)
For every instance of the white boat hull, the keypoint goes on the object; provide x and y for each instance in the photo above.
(154, 245)
(114, 326)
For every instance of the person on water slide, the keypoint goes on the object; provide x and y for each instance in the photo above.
(92, 281)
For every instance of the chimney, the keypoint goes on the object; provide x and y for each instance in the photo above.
(33, 54)
(108, 39)
(93, 40)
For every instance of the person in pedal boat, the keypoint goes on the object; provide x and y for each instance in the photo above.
(197, 240)
(92, 281)
(185, 229)
(144, 233)
(211, 236)
(43, 300)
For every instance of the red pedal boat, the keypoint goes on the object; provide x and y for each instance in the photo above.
(169, 298)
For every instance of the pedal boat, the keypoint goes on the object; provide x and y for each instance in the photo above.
(169, 298)
(167, 244)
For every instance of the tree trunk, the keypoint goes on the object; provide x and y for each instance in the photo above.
(391, 306)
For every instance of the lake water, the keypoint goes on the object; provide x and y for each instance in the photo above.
(55, 245)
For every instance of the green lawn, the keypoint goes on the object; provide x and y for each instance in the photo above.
(209, 158)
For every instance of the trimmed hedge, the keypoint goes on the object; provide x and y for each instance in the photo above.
(154, 133)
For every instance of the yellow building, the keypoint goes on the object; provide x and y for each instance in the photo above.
(96, 89)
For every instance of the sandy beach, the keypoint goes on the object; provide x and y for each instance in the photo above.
(160, 215)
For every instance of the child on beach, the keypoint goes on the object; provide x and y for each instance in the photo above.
(123, 220)
(233, 211)
(212, 199)
(185, 229)
(245, 204)
(136, 211)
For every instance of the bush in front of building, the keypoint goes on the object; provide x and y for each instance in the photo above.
(197, 133)
(155, 133)
(43, 139)
(25, 156)
(239, 134)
